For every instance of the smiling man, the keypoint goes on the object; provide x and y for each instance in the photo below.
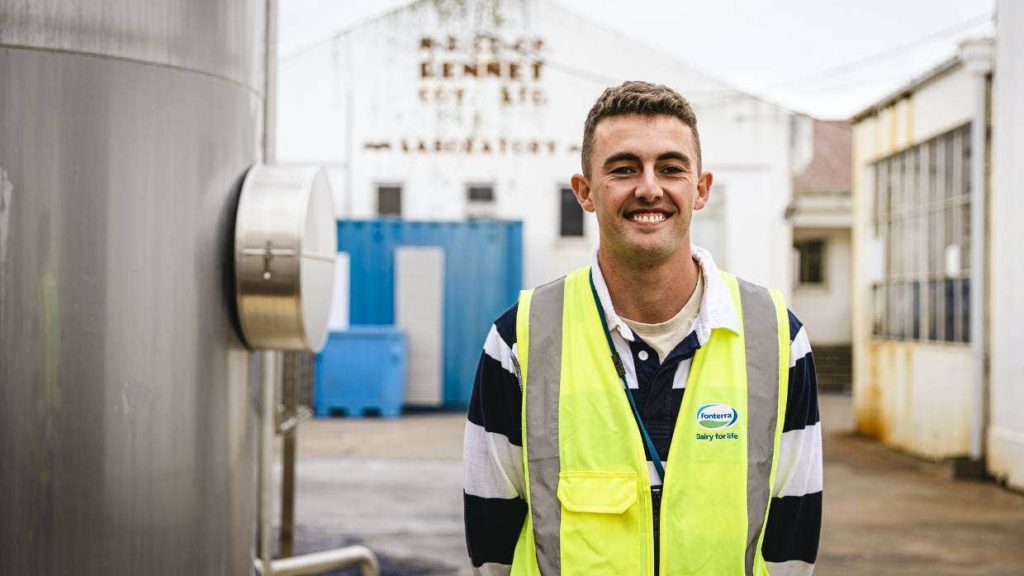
(648, 414)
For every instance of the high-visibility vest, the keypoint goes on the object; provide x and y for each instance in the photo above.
(586, 472)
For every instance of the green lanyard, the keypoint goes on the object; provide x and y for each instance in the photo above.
(621, 371)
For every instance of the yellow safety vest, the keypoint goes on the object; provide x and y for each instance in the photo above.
(587, 482)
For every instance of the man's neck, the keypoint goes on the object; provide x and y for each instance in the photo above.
(649, 293)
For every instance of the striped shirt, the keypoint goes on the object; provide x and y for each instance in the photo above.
(494, 492)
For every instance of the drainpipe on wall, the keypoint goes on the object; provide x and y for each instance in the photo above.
(978, 58)
(270, 360)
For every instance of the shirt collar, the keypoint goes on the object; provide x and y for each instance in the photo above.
(716, 310)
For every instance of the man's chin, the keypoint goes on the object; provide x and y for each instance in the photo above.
(648, 255)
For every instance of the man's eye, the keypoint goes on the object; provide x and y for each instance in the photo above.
(623, 170)
(673, 170)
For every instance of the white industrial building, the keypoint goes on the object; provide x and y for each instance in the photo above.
(453, 110)
(938, 368)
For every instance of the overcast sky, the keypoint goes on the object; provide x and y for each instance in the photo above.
(829, 59)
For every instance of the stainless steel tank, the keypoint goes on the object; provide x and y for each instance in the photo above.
(127, 402)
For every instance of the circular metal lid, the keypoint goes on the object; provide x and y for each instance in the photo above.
(285, 246)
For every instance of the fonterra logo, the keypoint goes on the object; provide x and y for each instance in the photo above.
(716, 416)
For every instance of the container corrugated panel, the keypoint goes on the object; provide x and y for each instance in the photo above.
(359, 371)
(483, 276)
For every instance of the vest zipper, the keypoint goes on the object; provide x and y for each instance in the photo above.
(656, 514)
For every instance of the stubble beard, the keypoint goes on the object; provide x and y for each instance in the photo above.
(626, 256)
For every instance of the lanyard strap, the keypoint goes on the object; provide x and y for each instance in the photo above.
(621, 371)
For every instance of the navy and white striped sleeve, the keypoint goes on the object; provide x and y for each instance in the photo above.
(794, 517)
(494, 497)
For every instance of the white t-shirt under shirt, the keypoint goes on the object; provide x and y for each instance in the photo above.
(664, 336)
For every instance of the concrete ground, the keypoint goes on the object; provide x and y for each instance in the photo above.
(395, 486)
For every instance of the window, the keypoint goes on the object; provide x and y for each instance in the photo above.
(810, 261)
(922, 216)
(480, 193)
(570, 219)
(480, 201)
(389, 200)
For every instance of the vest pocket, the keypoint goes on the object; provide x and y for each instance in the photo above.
(601, 531)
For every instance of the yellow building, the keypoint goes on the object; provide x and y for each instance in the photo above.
(936, 255)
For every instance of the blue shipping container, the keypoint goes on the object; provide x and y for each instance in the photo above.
(359, 370)
(483, 276)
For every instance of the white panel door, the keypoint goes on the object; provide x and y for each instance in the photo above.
(339, 301)
(419, 311)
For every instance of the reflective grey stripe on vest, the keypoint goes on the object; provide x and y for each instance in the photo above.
(542, 383)
(761, 341)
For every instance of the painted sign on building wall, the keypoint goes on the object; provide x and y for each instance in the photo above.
(457, 73)
(511, 67)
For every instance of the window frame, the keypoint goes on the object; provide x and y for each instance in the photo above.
(921, 216)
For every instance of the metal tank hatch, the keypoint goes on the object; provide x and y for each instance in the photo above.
(285, 240)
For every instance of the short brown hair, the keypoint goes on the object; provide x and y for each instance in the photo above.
(635, 97)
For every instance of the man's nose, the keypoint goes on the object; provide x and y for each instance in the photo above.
(648, 189)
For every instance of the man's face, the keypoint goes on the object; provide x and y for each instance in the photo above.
(643, 186)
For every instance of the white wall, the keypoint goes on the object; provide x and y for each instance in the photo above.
(365, 87)
(825, 310)
(946, 104)
(1006, 434)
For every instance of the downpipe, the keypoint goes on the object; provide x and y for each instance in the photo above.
(978, 59)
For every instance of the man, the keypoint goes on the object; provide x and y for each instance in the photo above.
(648, 414)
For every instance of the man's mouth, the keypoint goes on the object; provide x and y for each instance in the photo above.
(647, 217)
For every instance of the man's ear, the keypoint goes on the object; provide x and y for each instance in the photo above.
(581, 187)
(703, 190)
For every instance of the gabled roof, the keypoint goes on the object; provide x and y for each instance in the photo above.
(830, 167)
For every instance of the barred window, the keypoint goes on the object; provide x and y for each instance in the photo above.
(922, 215)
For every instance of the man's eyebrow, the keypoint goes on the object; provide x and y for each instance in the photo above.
(674, 156)
(621, 157)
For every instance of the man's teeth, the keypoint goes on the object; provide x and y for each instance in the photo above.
(648, 217)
